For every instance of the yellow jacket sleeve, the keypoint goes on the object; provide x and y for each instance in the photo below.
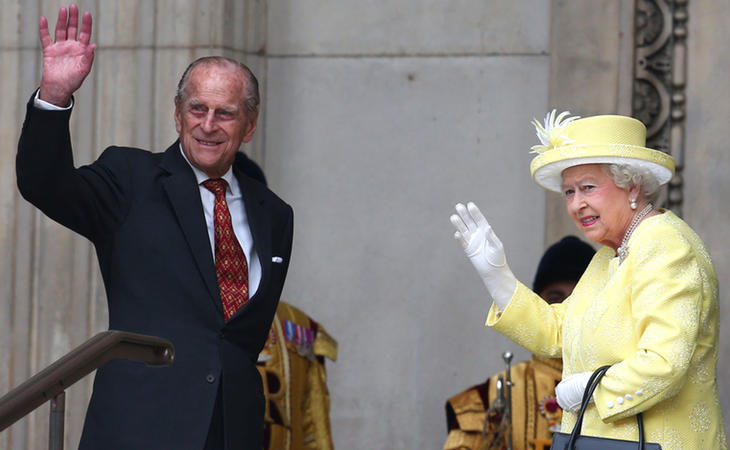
(517, 322)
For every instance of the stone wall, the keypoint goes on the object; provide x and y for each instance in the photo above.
(381, 116)
(707, 156)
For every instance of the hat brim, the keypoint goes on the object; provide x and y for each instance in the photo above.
(547, 168)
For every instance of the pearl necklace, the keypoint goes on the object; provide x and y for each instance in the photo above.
(623, 250)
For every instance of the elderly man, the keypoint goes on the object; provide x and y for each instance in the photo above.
(190, 249)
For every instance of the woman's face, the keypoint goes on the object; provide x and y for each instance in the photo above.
(599, 208)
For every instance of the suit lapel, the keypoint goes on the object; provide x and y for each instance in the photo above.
(184, 195)
(257, 214)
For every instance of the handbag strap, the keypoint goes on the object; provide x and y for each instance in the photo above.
(591, 386)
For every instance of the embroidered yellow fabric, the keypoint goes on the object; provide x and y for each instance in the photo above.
(654, 318)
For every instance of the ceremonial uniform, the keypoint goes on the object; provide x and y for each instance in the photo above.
(295, 382)
(534, 409)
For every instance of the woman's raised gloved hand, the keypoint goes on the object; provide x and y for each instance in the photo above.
(485, 251)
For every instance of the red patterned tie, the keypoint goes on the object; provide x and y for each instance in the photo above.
(231, 266)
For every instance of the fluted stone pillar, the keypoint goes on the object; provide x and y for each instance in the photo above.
(51, 295)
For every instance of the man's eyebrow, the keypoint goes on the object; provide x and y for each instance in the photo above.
(227, 109)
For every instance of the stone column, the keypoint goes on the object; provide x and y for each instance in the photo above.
(707, 158)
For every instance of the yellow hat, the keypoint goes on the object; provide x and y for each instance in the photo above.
(572, 141)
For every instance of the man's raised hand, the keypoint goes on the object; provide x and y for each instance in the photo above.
(68, 60)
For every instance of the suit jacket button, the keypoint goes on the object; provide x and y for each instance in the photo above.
(210, 378)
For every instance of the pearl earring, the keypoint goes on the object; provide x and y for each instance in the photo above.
(633, 203)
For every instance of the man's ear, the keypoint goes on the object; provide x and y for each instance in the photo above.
(251, 126)
(178, 117)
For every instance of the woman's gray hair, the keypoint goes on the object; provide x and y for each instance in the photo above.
(251, 93)
(627, 176)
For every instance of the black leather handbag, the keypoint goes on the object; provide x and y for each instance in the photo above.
(574, 440)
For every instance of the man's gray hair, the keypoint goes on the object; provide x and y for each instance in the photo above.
(627, 176)
(251, 94)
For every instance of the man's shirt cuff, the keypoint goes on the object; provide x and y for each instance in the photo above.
(42, 104)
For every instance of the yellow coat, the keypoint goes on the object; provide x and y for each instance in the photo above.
(654, 318)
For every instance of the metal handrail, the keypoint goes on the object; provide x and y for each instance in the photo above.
(51, 382)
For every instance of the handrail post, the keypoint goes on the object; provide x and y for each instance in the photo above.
(50, 383)
(56, 422)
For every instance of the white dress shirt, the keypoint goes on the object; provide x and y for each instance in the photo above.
(234, 198)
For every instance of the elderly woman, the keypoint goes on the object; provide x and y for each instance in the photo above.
(647, 304)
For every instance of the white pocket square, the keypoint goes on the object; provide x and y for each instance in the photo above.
(277, 259)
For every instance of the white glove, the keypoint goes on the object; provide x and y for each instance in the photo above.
(485, 251)
(569, 392)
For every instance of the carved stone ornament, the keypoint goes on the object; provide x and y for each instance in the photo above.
(660, 69)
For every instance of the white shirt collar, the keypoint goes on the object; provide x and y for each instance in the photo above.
(201, 176)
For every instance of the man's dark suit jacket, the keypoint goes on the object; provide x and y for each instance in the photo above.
(143, 213)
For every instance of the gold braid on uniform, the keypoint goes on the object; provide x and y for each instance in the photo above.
(295, 382)
(534, 409)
